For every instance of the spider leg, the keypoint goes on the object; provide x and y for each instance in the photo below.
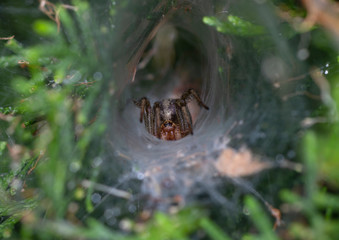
(151, 122)
(186, 96)
(188, 118)
(184, 117)
(156, 119)
(141, 103)
(179, 115)
(148, 118)
(146, 113)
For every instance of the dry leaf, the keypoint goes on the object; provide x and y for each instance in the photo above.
(241, 163)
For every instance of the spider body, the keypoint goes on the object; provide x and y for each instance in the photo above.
(169, 119)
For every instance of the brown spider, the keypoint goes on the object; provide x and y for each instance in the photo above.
(169, 119)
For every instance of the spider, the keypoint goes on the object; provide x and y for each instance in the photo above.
(168, 119)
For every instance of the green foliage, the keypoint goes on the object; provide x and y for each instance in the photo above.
(45, 28)
(162, 226)
(212, 230)
(53, 105)
(261, 221)
(235, 26)
(317, 204)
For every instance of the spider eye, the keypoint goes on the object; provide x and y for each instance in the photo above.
(168, 124)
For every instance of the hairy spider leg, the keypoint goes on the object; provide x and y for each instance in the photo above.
(141, 104)
(188, 118)
(179, 115)
(187, 96)
(146, 113)
(157, 122)
(148, 118)
(188, 113)
(151, 122)
(184, 117)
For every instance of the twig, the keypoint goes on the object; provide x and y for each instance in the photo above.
(106, 189)
(323, 12)
(36, 163)
(66, 6)
(298, 167)
(274, 211)
(308, 94)
(308, 122)
(324, 86)
(276, 214)
(325, 92)
(7, 38)
(51, 11)
(85, 83)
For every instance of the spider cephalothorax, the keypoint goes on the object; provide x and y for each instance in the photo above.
(169, 119)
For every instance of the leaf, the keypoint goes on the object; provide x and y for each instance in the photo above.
(241, 163)
(260, 219)
(235, 26)
(213, 230)
(45, 28)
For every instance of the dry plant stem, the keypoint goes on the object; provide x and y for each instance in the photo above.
(66, 6)
(298, 167)
(32, 168)
(7, 38)
(323, 12)
(103, 188)
(309, 122)
(323, 84)
(51, 11)
(276, 214)
(306, 93)
(85, 83)
(132, 65)
(36, 163)
(300, 77)
(325, 93)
